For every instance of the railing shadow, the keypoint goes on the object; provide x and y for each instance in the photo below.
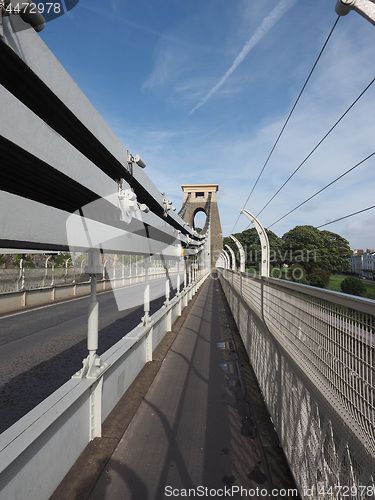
(25, 391)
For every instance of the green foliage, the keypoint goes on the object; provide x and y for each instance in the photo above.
(60, 259)
(2, 259)
(353, 286)
(316, 249)
(276, 272)
(307, 252)
(336, 280)
(316, 280)
(297, 273)
(27, 261)
(319, 277)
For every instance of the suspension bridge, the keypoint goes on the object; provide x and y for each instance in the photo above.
(224, 382)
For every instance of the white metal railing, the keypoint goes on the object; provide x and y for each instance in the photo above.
(89, 195)
(13, 279)
(29, 296)
(48, 440)
(313, 352)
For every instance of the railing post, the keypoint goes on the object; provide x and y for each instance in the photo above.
(146, 296)
(146, 320)
(93, 318)
(104, 266)
(114, 268)
(185, 289)
(178, 293)
(46, 271)
(82, 262)
(178, 279)
(92, 366)
(168, 326)
(74, 268)
(190, 283)
(53, 271)
(167, 293)
(146, 305)
(66, 268)
(21, 280)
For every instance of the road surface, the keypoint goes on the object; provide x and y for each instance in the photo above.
(41, 349)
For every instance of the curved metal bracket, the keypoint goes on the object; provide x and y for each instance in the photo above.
(242, 252)
(366, 8)
(227, 259)
(265, 264)
(220, 261)
(233, 257)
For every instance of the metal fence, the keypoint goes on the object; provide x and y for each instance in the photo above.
(313, 352)
(113, 267)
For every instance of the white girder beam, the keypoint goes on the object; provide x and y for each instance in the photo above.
(57, 162)
(68, 183)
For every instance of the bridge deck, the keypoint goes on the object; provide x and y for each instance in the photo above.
(201, 423)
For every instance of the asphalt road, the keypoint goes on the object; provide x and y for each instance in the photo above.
(41, 349)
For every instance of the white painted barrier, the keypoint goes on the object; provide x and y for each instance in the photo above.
(312, 351)
(53, 123)
(37, 452)
(14, 301)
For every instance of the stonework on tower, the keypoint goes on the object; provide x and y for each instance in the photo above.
(202, 198)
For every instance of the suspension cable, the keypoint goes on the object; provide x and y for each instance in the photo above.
(346, 216)
(319, 143)
(288, 118)
(321, 190)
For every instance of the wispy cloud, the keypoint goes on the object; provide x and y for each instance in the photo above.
(267, 23)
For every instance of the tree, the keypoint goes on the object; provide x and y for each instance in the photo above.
(307, 252)
(61, 258)
(353, 286)
(316, 249)
(27, 261)
(319, 277)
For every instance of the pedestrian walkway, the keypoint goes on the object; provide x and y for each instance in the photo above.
(202, 425)
(193, 423)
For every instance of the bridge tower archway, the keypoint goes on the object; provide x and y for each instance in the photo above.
(202, 198)
(199, 219)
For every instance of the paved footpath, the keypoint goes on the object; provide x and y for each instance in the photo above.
(202, 428)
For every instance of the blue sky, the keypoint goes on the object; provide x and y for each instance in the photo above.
(201, 90)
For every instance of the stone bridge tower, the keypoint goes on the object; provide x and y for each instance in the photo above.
(202, 198)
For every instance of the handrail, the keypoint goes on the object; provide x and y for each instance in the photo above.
(324, 409)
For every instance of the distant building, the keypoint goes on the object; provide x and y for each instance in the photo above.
(363, 263)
